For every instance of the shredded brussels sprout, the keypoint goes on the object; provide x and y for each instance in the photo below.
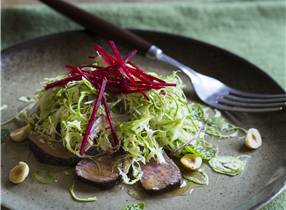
(76, 198)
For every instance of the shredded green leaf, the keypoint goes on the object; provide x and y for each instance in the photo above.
(197, 177)
(79, 199)
(228, 165)
(135, 206)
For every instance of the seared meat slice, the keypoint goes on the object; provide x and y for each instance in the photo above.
(54, 154)
(161, 177)
(101, 173)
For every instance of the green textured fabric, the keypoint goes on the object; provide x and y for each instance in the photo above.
(255, 30)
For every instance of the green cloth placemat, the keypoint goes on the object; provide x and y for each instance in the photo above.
(255, 30)
(252, 29)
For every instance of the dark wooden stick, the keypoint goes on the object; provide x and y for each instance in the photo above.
(98, 25)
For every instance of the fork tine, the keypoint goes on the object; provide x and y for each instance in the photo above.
(255, 100)
(250, 104)
(244, 109)
(256, 95)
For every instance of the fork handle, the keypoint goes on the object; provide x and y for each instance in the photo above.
(98, 25)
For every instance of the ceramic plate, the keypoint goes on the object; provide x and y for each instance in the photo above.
(26, 64)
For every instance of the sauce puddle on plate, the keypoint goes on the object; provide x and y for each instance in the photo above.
(137, 192)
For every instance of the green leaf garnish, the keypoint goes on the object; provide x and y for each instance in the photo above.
(228, 165)
(135, 206)
(197, 177)
(203, 149)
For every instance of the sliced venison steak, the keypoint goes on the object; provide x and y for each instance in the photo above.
(161, 177)
(101, 173)
(55, 154)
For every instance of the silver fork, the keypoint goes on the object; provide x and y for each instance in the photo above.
(211, 91)
(216, 94)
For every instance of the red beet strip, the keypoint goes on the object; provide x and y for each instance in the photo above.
(130, 55)
(88, 66)
(106, 56)
(147, 75)
(63, 82)
(92, 118)
(139, 76)
(71, 69)
(109, 119)
(92, 57)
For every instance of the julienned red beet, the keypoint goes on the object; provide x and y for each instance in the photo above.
(120, 77)
(92, 118)
(146, 75)
(124, 68)
(63, 82)
(130, 55)
(105, 55)
(108, 115)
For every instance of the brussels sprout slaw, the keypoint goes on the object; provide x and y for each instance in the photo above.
(146, 127)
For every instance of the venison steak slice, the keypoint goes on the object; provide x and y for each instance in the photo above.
(54, 154)
(100, 172)
(161, 177)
